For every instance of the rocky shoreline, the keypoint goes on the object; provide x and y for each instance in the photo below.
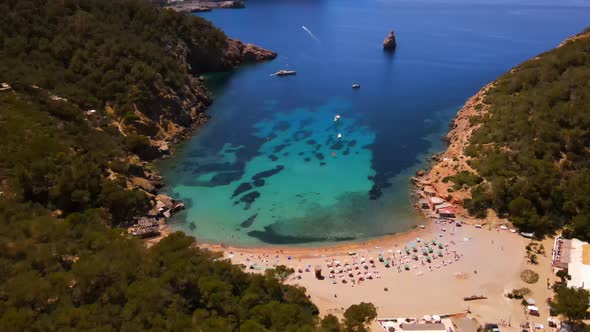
(176, 116)
(205, 6)
(430, 186)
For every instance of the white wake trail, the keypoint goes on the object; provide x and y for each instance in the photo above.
(310, 33)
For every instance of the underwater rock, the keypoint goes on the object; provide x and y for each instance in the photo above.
(281, 126)
(268, 173)
(259, 183)
(301, 134)
(242, 188)
(279, 147)
(249, 198)
(320, 156)
(337, 146)
(248, 222)
(224, 178)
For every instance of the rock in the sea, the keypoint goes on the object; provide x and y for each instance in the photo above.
(232, 4)
(420, 172)
(248, 222)
(237, 52)
(389, 44)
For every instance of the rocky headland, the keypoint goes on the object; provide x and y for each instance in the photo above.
(205, 6)
(453, 160)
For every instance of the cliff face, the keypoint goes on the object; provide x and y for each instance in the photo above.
(176, 112)
(453, 161)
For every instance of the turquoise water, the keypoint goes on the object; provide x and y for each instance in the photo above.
(269, 167)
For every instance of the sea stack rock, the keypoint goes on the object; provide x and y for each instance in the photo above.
(389, 44)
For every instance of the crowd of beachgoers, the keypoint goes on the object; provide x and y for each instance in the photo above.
(416, 256)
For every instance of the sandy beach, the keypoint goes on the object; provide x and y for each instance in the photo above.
(483, 261)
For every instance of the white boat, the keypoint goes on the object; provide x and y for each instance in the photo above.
(284, 72)
(512, 230)
(503, 227)
(421, 226)
(339, 136)
(356, 86)
(477, 226)
(529, 235)
(336, 117)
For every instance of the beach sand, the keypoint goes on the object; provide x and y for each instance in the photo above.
(489, 263)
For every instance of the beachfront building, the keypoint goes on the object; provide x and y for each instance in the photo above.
(573, 255)
(434, 323)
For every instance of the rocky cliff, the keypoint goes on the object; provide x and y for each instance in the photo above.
(175, 113)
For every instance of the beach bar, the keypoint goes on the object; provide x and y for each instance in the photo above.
(574, 256)
(446, 212)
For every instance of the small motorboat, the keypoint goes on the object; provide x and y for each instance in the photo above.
(421, 226)
(284, 72)
(339, 136)
(356, 86)
(336, 117)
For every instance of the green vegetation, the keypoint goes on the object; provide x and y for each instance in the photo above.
(75, 274)
(572, 303)
(531, 148)
(357, 316)
(519, 293)
(52, 157)
(95, 52)
(463, 178)
(529, 276)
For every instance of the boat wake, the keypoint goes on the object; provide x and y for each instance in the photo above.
(310, 33)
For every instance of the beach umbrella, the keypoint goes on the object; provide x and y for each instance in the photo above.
(436, 318)
(433, 241)
(418, 239)
(389, 324)
(415, 257)
(406, 266)
(427, 318)
(439, 252)
(412, 244)
(428, 259)
(430, 250)
(407, 250)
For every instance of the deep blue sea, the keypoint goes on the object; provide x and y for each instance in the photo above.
(269, 167)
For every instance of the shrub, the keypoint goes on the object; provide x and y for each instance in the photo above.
(529, 276)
